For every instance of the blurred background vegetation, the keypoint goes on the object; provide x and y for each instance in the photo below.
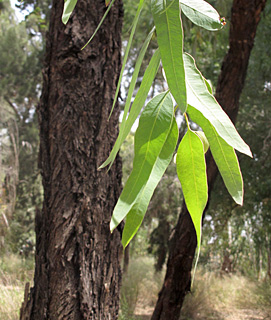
(233, 280)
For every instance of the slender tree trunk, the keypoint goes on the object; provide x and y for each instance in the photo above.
(126, 259)
(244, 20)
(77, 273)
(268, 271)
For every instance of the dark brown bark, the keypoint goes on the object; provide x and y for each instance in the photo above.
(77, 273)
(244, 20)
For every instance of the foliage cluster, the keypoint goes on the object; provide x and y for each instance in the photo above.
(20, 77)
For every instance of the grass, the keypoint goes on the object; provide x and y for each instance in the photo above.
(232, 297)
(213, 297)
(139, 289)
(14, 273)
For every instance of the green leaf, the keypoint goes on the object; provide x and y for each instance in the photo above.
(202, 14)
(137, 213)
(135, 74)
(203, 139)
(100, 23)
(224, 156)
(69, 6)
(199, 97)
(152, 132)
(137, 105)
(191, 170)
(166, 15)
(134, 24)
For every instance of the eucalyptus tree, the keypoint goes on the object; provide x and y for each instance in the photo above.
(77, 267)
(250, 224)
(157, 134)
(67, 229)
(228, 90)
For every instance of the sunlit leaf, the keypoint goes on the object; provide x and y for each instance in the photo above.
(151, 135)
(224, 156)
(137, 105)
(191, 170)
(202, 14)
(137, 213)
(199, 97)
(166, 15)
(69, 6)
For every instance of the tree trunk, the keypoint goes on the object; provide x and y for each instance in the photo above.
(244, 20)
(268, 271)
(77, 272)
(126, 259)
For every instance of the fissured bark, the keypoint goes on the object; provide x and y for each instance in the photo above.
(77, 272)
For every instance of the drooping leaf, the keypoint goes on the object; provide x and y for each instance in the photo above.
(135, 75)
(166, 15)
(134, 24)
(152, 132)
(199, 97)
(224, 156)
(100, 23)
(107, 2)
(137, 105)
(203, 139)
(69, 6)
(137, 213)
(202, 14)
(191, 170)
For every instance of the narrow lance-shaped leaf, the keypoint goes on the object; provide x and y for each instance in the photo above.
(199, 97)
(135, 75)
(100, 23)
(69, 6)
(202, 14)
(152, 132)
(224, 156)
(166, 15)
(137, 105)
(191, 170)
(137, 213)
(134, 24)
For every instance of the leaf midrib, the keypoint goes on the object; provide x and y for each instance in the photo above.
(148, 145)
(171, 51)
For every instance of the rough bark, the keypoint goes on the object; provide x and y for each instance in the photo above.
(77, 272)
(245, 17)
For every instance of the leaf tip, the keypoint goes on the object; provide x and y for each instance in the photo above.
(112, 225)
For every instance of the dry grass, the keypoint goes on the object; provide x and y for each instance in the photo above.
(227, 298)
(212, 298)
(140, 287)
(14, 273)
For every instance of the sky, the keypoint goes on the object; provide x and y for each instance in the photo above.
(18, 12)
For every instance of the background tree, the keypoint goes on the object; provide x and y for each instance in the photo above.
(250, 224)
(20, 77)
(77, 272)
(230, 84)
